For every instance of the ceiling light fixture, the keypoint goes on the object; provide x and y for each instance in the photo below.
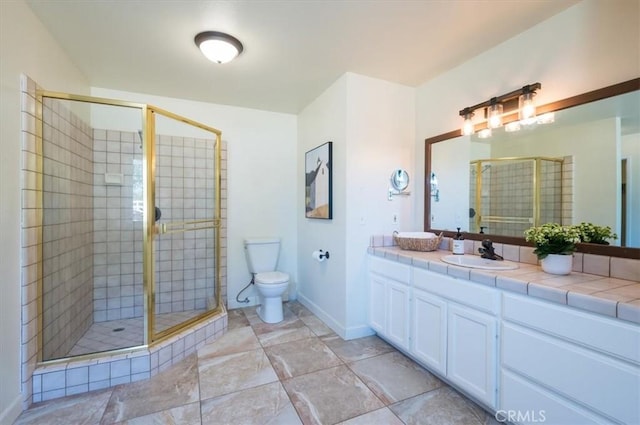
(499, 108)
(218, 47)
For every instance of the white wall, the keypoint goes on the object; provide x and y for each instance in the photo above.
(371, 124)
(380, 134)
(321, 286)
(588, 46)
(27, 48)
(261, 178)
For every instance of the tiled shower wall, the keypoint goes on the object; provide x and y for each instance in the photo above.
(550, 192)
(117, 243)
(67, 267)
(185, 263)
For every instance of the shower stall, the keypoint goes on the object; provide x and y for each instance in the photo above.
(130, 224)
(509, 195)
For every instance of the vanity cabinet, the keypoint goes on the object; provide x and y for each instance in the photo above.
(570, 366)
(389, 300)
(454, 332)
(530, 360)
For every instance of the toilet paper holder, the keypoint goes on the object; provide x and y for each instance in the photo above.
(320, 255)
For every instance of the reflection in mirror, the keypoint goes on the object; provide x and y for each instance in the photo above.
(509, 195)
(435, 192)
(582, 167)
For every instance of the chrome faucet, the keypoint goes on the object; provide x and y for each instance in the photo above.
(487, 251)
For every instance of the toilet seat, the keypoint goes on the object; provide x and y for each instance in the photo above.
(271, 278)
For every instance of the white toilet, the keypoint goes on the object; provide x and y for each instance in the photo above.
(262, 258)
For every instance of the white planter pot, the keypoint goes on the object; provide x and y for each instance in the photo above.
(557, 264)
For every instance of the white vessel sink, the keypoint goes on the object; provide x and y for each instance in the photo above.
(476, 262)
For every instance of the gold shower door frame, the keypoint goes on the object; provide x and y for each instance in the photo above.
(150, 228)
(153, 229)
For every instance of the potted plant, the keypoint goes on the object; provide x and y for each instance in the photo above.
(555, 245)
(590, 233)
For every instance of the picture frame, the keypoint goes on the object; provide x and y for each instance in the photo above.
(319, 182)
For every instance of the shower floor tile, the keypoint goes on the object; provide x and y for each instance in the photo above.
(123, 333)
(103, 336)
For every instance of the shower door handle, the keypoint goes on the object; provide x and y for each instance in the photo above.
(158, 213)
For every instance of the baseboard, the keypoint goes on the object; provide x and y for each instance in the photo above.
(11, 413)
(355, 332)
(345, 333)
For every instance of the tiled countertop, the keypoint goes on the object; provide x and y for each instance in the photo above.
(603, 295)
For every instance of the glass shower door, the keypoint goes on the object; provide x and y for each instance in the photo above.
(186, 222)
(92, 284)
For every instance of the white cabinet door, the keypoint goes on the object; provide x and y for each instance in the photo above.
(398, 314)
(471, 354)
(429, 330)
(377, 303)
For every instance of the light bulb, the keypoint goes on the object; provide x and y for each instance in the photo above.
(494, 115)
(468, 127)
(526, 107)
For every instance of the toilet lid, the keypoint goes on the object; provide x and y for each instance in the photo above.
(272, 277)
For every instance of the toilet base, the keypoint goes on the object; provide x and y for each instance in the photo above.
(271, 310)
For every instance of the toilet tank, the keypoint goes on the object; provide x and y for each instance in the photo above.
(262, 254)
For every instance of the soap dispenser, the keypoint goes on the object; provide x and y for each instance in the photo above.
(458, 243)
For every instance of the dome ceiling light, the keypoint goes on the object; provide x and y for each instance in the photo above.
(217, 46)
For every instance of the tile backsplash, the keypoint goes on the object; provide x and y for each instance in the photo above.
(614, 267)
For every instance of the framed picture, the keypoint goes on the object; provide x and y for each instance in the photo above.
(318, 182)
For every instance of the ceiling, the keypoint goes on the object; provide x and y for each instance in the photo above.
(293, 49)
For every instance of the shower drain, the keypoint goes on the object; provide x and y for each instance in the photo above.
(118, 330)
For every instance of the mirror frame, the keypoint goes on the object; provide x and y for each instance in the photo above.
(581, 99)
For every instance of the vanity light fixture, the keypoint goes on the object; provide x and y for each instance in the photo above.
(217, 46)
(467, 127)
(499, 108)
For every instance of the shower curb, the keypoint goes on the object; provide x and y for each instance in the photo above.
(76, 376)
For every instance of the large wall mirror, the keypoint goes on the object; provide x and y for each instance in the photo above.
(580, 164)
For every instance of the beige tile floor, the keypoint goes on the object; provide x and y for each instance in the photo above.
(294, 372)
